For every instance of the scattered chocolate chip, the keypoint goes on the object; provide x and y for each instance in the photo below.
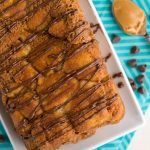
(96, 27)
(116, 38)
(119, 75)
(131, 80)
(140, 78)
(133, 85)
(142, 68)
(135, 50)
(132, 63)
(142, 90)
(120, 85)
(107, 57)
(1, 138)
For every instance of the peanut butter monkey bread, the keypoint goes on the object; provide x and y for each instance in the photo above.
(53, 80)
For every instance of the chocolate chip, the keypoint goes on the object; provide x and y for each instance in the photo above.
(1, 138)
(135, 50)
(107, 57)
(119, 75)
(132, 63)
(95, 27)
(140, 78)
(120, 85)
(133, 85)
(142, 68)
(76, 132)
(116, 38)
(141, 90)
(28, 136)
(131, 80)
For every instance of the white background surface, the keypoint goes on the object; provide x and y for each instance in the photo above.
(141, 140)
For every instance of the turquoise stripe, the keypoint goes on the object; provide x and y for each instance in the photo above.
(6, 145)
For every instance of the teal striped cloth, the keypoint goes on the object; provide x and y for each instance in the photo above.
(6, 145)
(123, 50)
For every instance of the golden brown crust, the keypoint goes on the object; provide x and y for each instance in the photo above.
(54, 81)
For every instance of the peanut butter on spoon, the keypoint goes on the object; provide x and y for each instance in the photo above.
(130, 17)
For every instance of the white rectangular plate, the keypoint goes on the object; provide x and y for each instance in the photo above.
(133, 118)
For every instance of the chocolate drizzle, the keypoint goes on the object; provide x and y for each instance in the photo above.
(101, 104)
(56, 85)
(60, 82)
(64, 15)
(28, 15)
(2, 1)
(6, 55)
(40, 51)
(56, 122)
(78, 94)
(107, 57)
(89, 92)
(96, 27)
(14, 4)
(97, 103)
(15, 49)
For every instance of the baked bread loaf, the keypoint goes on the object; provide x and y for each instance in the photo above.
(53, 79)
